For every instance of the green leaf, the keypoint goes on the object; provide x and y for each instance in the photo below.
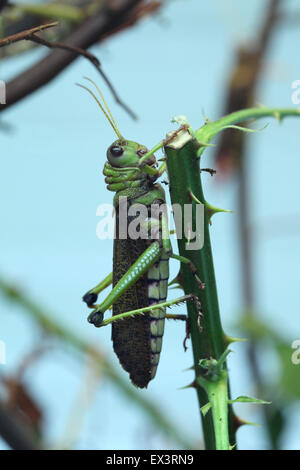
(246, 399)
(245, 129)
(205, 409)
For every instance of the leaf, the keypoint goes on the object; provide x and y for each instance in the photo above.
(205, 409)
(246, 399)
(244, 129)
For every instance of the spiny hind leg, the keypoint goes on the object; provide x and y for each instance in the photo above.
(152, 308)
(91, 296)
(134, 273)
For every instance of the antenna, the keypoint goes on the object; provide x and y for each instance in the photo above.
(106, 112)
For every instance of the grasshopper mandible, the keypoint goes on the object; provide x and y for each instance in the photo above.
(140, 266)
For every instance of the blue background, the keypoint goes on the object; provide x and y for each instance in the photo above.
(51, 184)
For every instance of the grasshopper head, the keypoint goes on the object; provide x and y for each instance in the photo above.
(125, 153)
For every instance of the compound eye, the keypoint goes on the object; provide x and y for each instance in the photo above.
(116, 151)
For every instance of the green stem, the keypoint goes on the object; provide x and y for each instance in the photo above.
(186, 188)
(184, 174)
(207, 132)
(218, 396)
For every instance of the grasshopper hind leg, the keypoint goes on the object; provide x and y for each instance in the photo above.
(92, 295)
(90, 298)
(96, 318)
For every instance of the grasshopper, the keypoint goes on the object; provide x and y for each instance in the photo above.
(140, 266)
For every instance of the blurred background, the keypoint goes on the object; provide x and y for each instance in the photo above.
(165, 58)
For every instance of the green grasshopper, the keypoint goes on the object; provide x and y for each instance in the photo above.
(140, 266)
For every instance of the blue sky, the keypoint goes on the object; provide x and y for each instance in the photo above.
(51, 184)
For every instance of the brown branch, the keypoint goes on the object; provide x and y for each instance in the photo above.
(88, 33)
(30, 35)
(138, 13)
(94, 61)
(26, 34)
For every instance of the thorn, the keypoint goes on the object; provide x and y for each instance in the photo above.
(189, 368)
(230, 339)
(238, 422)
(212, 210)
(191, 385)
(277, 116)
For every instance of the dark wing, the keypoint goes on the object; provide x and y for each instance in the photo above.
(131, 337)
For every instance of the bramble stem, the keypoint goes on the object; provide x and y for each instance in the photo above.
(206, 133)
(218, 397)
(208, 343)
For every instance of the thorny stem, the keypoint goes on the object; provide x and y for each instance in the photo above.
(183, 168)
(208, 342)
(217, 393)
(207, 132)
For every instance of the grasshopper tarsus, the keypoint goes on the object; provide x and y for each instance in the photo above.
(90, 298)
(96, 318)
(187, 335)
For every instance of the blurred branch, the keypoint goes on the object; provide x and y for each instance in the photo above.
(3, 4)
(14, 433)
(64, 334)
(242, 88)
(30, 35)
(88, 33)
(25, 34)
